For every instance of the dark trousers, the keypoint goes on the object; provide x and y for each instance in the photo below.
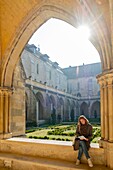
(83, 149)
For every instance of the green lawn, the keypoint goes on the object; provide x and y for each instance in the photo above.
(60, 132)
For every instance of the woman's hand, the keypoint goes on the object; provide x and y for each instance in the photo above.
(86, 139)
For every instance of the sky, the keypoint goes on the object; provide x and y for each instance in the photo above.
(64, 44)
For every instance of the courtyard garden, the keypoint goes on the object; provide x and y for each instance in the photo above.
(60, 132)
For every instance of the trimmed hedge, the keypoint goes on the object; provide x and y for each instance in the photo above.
(68, 131)
(46, 137)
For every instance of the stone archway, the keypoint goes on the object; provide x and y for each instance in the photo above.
(95, 110)
(67, 110)
(74, 12)
(40, 103)
(62, 108)
(48, 106)
(53, 109)
(84, 109)
(59, 116)
(26, 106)
(73, 111)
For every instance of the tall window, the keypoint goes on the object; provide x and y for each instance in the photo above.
(37, 69)
(50, 75)
(90, 84)
(78, 86)
(90, 87)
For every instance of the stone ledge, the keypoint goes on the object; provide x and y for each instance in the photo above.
(59, 150)
(53, 142)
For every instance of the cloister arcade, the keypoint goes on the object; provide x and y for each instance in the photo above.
(18, 23)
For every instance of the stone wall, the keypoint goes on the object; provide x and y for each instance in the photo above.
(43, 70)
(18, 103)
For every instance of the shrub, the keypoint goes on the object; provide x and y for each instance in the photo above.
(52, 138)
(58, 138)
(50, 133)
(30, 137)
(67, 139)
(62, 131)
(35, 137)
(63, 139)
(96, 133)
(57, 131)
(45, 137)
(30, 130)
(64, 134)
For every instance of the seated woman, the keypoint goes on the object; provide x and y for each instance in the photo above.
(84, 133)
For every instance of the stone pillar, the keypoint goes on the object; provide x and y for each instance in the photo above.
(5, 97)
(61, 111)
(74, 113)
(105, 110)
(37, 113)
(69, 112)
(110, 106)
(106, 97)
(102, 110)
(106, 121)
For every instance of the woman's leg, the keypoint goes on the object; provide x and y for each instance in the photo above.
(80, 152)
(84, 149)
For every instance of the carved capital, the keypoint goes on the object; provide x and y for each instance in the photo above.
(105, 79)
(6, 90)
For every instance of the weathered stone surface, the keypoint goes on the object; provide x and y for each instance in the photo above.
(20, 20)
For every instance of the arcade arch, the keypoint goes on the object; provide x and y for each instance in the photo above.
(40, 105)
(38, 16)
(95, 110)
(67, 110)
(73, 12)
(84, 109)
(62, 108)
(73, 111)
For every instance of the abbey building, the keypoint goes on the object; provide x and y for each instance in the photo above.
(53, 94)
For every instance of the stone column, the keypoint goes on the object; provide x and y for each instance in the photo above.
(5, 97)
(37, 113)
(69, 112)
(100, 81)
(61, 110)
(106, 91)
(106, 110)
(1, 113)
(110, 106)
(74, 113)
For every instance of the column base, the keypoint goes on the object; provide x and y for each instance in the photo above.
(108, 152)
(5, 135)
(101, 143)
(110, 141)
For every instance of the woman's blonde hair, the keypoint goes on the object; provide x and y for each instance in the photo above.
(83, 117)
